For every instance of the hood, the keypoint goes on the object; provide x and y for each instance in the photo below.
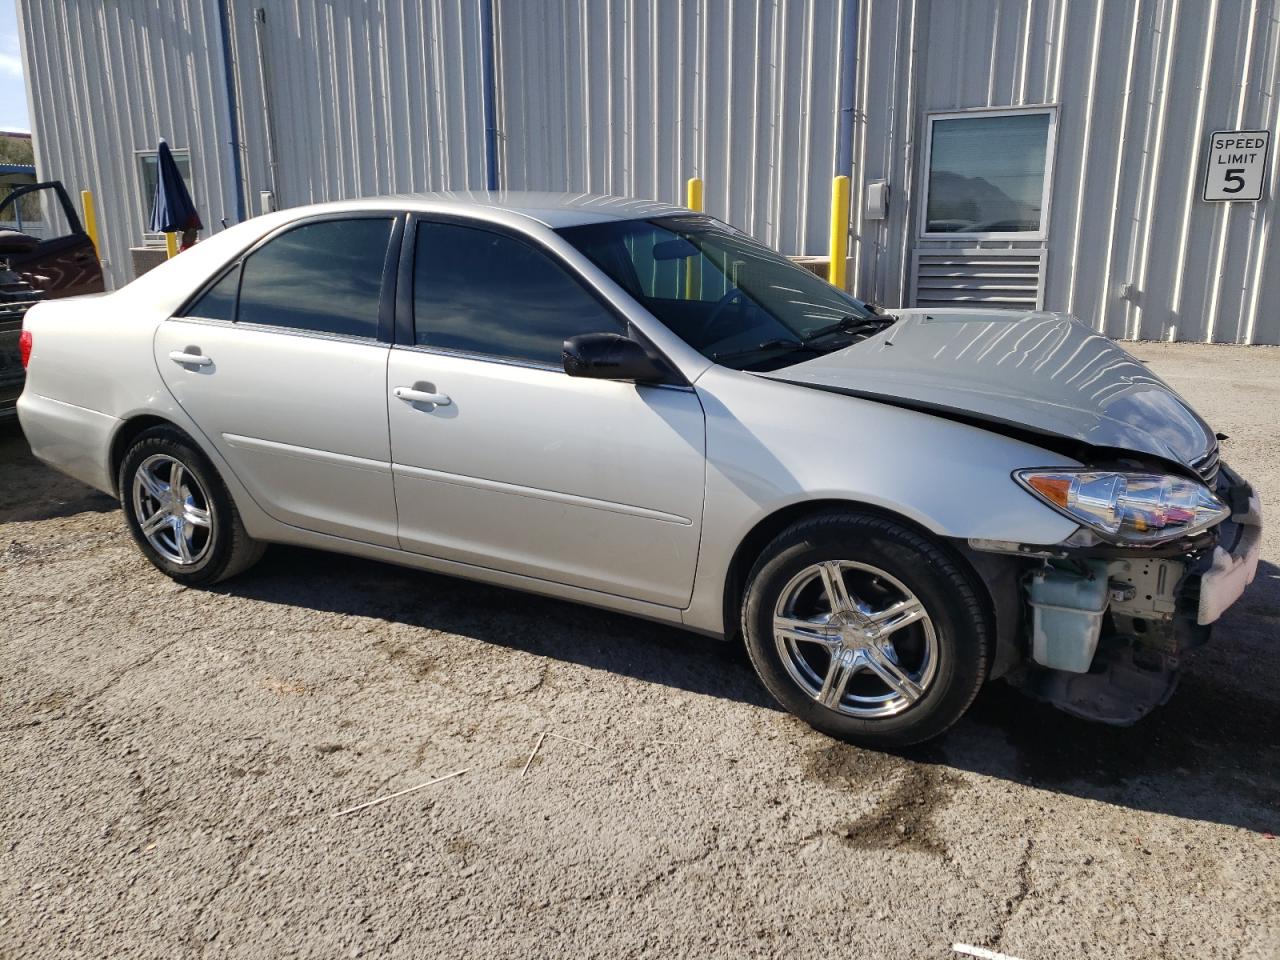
(1045, 374)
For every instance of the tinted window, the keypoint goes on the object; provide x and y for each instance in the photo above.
(483, 292)
(219, 301)
(725, 295)
(323, 276)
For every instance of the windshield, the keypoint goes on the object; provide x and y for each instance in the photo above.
(732, 299)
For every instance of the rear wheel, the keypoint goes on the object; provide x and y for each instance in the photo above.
(865, 629)
(179, 511)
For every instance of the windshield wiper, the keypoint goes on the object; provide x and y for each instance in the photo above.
(777, 343)
(849, 323)
(852, 323)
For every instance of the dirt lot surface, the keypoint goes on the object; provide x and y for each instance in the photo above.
(172, 760)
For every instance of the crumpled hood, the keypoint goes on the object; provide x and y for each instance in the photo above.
(1043, 373)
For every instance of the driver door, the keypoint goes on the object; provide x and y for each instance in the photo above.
(515, 465)
(64, 262)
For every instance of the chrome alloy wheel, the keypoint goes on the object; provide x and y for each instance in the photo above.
(172, 510)
(855, 639)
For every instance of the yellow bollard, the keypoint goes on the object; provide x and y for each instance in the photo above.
(171, 244)
(90, 218)
(839, 248)
(693, 200)
(694, 194)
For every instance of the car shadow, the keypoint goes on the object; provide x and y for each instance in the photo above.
(1212, 753)
(31, 491)
(560, 630)
(1209, 754)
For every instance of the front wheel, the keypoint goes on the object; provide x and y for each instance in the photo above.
(865, 629)
(179, 511)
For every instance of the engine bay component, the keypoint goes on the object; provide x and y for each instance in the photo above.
(1122, 688)
(1067, 605)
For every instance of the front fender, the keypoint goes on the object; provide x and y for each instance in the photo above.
(772, 446)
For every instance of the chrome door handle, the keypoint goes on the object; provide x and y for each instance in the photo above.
(195, 359)
(409, 395)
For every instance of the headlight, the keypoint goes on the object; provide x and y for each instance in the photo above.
(1128, 507)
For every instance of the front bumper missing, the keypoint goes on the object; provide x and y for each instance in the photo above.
(1115, 667)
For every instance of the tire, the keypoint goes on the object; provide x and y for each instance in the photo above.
(200, 539)
(889, 682)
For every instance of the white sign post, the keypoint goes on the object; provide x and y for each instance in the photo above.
(1237, 165)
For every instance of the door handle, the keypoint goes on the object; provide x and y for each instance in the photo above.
(409, 395)
(195, 359)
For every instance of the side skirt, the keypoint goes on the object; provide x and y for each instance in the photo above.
(284, 534)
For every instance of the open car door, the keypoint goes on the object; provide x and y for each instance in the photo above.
(44, 254)
(63, 263)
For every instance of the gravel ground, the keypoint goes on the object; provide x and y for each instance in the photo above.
(172, 760)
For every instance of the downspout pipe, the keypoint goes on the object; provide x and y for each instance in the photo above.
(268, 118)
(490, 96)
(848, 78)
(233, 107)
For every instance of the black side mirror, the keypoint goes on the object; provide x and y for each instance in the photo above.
(610, 356)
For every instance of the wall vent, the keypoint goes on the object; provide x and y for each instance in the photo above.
(1009, 279)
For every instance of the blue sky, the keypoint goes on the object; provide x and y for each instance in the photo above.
(13, 95)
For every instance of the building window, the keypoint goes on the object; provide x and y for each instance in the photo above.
(148, 165)
(989, 174)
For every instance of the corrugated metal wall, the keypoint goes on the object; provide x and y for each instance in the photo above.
(109, 79)
(1141, 84)
(367, 97)
(635, 96)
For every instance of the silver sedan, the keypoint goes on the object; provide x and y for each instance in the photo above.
(635, 406)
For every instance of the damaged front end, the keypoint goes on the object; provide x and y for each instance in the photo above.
(1105, 624)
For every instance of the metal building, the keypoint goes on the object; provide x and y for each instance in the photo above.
(1052, 153)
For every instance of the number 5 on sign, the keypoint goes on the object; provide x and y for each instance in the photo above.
(1237, 165)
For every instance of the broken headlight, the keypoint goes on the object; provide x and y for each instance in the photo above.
(1126, 507)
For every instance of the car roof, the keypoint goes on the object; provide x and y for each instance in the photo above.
(554, 210)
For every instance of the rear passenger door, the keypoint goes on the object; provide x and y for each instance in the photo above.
(282, 364)
(516, 465)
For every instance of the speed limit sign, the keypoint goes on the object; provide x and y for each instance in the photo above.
(1237, 164)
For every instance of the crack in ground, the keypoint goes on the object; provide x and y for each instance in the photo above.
(1014, 903)
(120, 675)
(15, 727)
(237, 864)
(233, 874)
(83, 705)
(672, 868)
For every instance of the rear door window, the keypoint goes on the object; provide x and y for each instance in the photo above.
(324, 277)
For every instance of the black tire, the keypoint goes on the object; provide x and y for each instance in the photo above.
(958, 638)
(225, 548)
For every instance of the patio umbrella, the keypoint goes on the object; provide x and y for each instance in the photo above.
(171, 209)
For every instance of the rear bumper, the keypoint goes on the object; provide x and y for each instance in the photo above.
(71, 439)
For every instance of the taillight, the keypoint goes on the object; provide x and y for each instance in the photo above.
(24, 347)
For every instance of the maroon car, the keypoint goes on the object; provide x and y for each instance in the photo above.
(44, 254)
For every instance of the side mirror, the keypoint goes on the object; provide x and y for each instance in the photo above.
(610, 356)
